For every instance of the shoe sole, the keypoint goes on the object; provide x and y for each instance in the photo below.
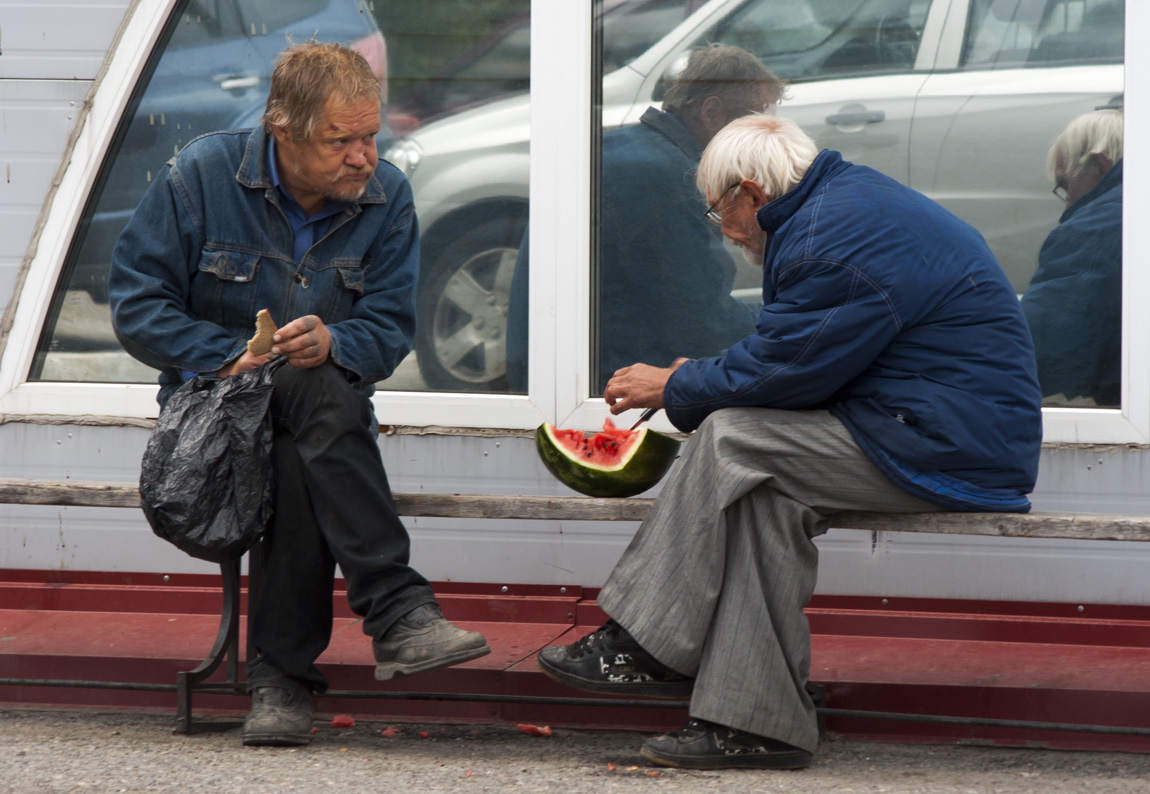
(276, 740)
(799, 759)
(675, 691)
(385, 671)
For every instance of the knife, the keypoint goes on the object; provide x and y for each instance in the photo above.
(643, 417)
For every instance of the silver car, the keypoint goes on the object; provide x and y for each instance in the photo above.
(959, 99)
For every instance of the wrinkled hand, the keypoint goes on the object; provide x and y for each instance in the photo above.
(638, 386)
(305, 342)
(244, 363)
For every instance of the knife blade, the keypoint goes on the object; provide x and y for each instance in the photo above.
(643, 417)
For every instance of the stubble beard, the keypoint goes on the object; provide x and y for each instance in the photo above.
(353, 192)
(755, 255)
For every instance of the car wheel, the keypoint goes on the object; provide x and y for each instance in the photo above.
(461, 335)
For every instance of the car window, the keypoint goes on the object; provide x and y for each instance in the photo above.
(1010, 34)
(821, 38)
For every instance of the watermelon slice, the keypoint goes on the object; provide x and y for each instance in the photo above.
(611, 463)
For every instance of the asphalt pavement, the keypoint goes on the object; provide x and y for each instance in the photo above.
(49, 752)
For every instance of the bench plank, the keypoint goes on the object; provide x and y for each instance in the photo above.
(1076, 526)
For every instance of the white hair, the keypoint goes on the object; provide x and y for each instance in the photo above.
(763, 148)
(1099, 132)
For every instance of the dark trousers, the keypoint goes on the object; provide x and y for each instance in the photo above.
(333, 505)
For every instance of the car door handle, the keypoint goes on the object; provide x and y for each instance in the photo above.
(236, 83)
(861, 116)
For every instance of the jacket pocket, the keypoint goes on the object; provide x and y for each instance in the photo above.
(224, 290)
(349, 288)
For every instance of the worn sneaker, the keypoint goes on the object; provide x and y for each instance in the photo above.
(706, 745)
(281, 716)
(423, 640)
(609, 661)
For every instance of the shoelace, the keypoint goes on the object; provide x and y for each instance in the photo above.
(593, 641)
(692, 729)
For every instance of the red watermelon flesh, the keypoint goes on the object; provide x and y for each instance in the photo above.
(606, 448)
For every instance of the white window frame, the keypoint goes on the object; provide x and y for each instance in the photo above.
(560, 217)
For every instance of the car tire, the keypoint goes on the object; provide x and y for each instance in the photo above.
(464, 290)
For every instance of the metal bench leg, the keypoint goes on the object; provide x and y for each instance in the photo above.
(226, 644)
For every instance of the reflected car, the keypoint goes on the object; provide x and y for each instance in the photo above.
(501, 65)
(959, 99)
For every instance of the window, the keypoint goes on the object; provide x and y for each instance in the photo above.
(861, 84)
(1006, 34)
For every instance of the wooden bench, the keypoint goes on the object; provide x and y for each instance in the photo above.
(1077, 526)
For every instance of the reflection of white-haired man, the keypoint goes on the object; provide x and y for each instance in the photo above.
(1074, 301)
(890, 370)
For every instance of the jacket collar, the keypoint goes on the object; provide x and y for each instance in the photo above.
(778, 211)
(674, 131)
(1110, 180)
(253, 170)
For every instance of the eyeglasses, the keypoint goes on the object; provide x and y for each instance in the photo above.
(713, 214)
(1060, 191)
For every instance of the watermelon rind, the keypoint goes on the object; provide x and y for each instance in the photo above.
(650, 459)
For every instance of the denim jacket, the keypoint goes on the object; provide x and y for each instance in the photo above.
(209, 246)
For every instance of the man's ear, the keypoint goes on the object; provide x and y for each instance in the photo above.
(759, 197)
(1103, 161)
(711, 115)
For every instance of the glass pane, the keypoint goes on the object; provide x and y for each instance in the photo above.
(625, 30)
(977, 143)
(215, 61)
(1063, 253)
(1006, 34)
(456, 85)
(460, 75)
(668, 284)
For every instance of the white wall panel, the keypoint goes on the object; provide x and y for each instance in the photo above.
(36, 45)
(36, 117)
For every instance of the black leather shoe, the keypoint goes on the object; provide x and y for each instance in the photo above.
(281, 716)
(610, 662)
(706, 745)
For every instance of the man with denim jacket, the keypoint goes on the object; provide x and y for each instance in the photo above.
(298, 217)
(891, 370)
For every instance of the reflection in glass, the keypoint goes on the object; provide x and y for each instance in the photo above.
(1074, 301)
(665, 276)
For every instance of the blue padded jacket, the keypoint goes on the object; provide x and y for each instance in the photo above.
(892, 313)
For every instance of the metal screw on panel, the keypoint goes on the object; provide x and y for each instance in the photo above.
(497, 447)
(504, 588)
(1081, 608)
(885, 602)
(166, 578)
(570, 616)
(562, 591)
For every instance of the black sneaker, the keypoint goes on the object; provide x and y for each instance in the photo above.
(610, 662)
(281, 716)
(706, 745)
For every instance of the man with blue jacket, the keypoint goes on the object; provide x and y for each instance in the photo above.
(298, 217)
(1074, 301)
(890, 370)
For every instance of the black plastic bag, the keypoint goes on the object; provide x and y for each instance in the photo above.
(206, 476)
